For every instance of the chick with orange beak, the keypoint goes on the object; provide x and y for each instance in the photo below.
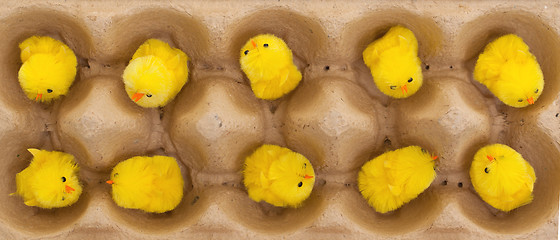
(502, 178)
(510, 71)
(48, 69)
(278, 176)
(268, 63)
(152, 184)
(394, 63)
(395, 178)
(155, 74)
(50, 180)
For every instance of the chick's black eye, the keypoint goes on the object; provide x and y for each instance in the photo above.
(423, 150)
(246, 52)
(63, 179)
(148, 95)
(486, 170)
(410, 80)
(265, 45)
(537, 91)
(116, 174)
(49, 90)
(300, 184)
(63, 198)
(393, 87)
(520, 100)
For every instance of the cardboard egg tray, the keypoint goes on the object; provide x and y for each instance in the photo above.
(336, 117)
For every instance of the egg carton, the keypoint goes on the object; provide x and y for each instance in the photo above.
(336, 117)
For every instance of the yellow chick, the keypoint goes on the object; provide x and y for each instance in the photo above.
(394, 178)
(268, 63)
(153, 184)
(155, 74)
(394, 63)
(510, 71)
(502, 177)
(50, 180)
(278, 176)
(48, 69)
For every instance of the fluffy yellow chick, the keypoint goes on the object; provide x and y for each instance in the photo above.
(510, 71)
(278, 176)
(50, 180)
(48, 69)
(153, 184)
(394, 63)
(155, 74)
(268, 63)
(394, 178)
(502, 177)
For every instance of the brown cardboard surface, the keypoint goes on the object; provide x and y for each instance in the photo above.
(336, 117)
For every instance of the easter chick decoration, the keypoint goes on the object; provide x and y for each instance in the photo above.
(50, 180)
(48, 69)
(510, 71)
(278, 176)
(502, 177)
(394, 63)
(394, 178)
(267, 61)
(153, 184)
(155, 74)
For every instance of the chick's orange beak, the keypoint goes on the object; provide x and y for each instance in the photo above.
(530, 100)
(69, 189)
(110, 182)
(254, 44)
(434, 157)
(404, 89)
(490, 158)
(136, 97)
(307, 176)
(39, 96)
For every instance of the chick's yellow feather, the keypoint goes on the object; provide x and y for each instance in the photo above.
(155, 74)
(394, 178)
(278, 176)
(394, 63)
(510, 71)
(153, 184)
(502, 178)
(268, 63)
(48, 69)
(50, 180)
